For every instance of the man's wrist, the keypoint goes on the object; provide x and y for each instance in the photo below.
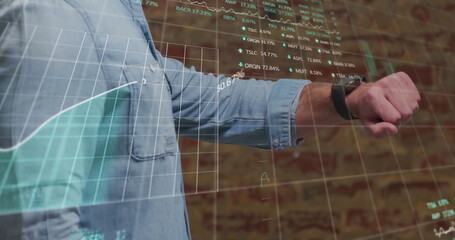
(353, 99)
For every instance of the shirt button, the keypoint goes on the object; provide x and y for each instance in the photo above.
(275, 143)
(153, 67)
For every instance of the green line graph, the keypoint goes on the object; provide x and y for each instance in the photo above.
(52, 168)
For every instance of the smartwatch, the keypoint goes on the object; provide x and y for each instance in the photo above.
(340, 89)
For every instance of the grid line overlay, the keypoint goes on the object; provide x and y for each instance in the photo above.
(207, 168)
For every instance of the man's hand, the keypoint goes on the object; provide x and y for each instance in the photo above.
(382, 106)
(385, 105)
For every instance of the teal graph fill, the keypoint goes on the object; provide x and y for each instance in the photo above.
(60, 165)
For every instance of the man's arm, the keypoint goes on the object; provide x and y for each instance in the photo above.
(249, 112)
(381, 106)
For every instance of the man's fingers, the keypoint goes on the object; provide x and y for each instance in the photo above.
(409, 84)
(402, 94)
(401, 103)
(381, 129)
(386, 111)
(408, 88)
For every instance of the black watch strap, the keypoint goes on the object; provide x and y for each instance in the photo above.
(340, 89)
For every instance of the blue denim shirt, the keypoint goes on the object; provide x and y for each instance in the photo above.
(89, 116)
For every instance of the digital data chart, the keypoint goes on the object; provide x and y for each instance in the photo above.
(86, 130)
(340, 184)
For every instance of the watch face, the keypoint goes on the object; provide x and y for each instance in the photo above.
(351, 85)
(355, 76)
(352, 81)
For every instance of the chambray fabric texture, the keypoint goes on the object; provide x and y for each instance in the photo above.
(87, 71)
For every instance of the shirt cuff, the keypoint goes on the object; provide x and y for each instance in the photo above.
(283, 102)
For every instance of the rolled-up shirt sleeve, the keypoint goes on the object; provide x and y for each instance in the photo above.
(282, 105)
(221, 109)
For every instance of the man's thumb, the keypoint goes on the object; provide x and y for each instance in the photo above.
(381, 129)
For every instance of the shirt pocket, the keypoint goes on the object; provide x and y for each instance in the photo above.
(150, 125)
